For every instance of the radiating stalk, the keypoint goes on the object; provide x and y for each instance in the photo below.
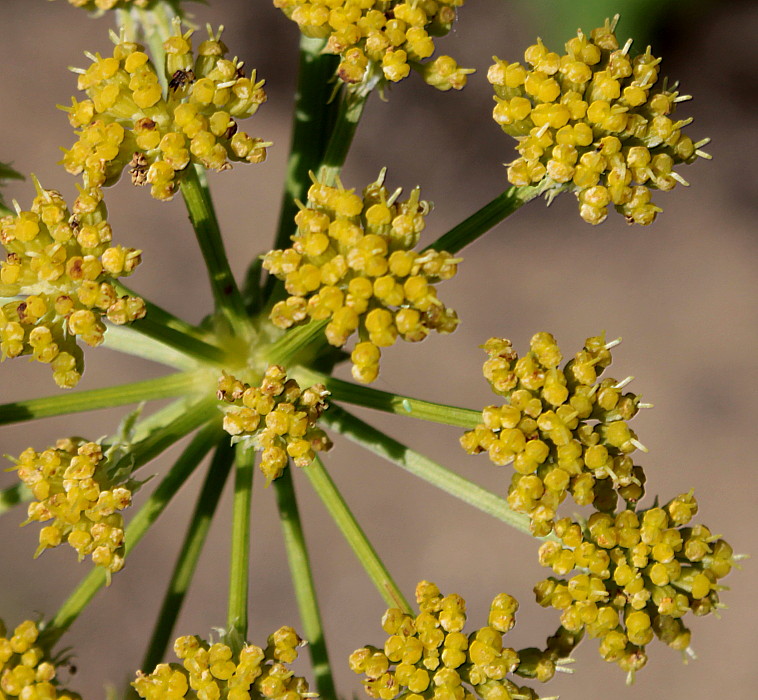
(355, 537)
(302, 580)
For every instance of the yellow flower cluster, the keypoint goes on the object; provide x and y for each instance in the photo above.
(63, 264)
(382, 38)
(72, 488)
(561, 429)
(215, 671)
(26, 670)
(352, 263)
(108, 4)
(128, 121)
(277, 417)
(429, 657)
(592, 121)
(642, 572)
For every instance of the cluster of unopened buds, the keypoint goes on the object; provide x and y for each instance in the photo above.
(278, 418)
(593, 121)
(563, 430)
(63, 266)
(216, 671)
(353, 264)
(382, 38)
(26, 669)
(72, 489)
(129, 121)
(641, 572)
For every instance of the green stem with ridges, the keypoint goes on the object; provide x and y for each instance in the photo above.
(297, 344)
(159, 316)
(139, 525)
(485, 218)
(189, 553)
(417, 464)
(391, 403)
(313, 120)
(129, 341)
(345, 520)
(240, 550)
(302, 580)
(173, 385)
(349, 115)
(228, 299)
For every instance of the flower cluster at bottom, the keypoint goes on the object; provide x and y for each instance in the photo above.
(214, 671)
(429, 656)
(641, 572)
(26, 669)
(72, 488)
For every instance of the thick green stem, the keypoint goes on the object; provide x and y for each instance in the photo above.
(189, 553)
(139, 525)
(240, 550)
(391, 403)
(485, 218)
(302, 580)
(355, 537)
(179, 384)
(417, 464)
(203, 217)
(298, 345)
(349, 114)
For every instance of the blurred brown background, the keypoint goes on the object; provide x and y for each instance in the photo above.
(681, 293)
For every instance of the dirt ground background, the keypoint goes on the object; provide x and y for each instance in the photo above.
(681, 293)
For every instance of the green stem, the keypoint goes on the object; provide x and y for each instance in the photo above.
(312, 123)
(240, 550)
(203, 217)
(139, 525)
(159, 315)
(302, 580)
(298, 345)
(355, 537)
(349, 114)
(417, 464)
(130, 341)
(178, 384)
(189, 553)
(485, 218)
(156, 441)
(190, 345)
(391, 403)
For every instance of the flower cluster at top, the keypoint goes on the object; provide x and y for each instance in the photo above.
(429, 657)
(72, 488)
(107, 4)
(128, 120)
(593, 121)
(641, 573)
(352, 263)
(277, 417)
(26, 670)
(216, 671)
(382, 38)
(64, 264)
(562, 429)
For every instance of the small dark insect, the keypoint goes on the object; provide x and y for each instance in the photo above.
(181, 78)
